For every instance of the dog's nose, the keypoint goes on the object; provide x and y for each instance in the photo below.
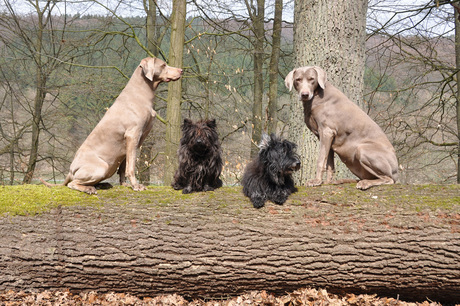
(297, 165)
(305, 95)
(181, 71)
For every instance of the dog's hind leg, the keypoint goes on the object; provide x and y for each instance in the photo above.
(212, 183)
(76, 185)
(375, 168)
(89, 173)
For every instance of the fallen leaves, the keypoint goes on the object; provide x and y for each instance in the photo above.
(306, 296)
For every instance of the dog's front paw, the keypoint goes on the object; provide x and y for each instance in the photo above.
(187, 189)
(313, 183)
(280, 200)
(208, 188)
(139, 187)
(258, 203)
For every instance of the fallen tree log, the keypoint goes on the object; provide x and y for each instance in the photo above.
(393, 240)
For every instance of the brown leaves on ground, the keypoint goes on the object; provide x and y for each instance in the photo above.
(300, 297)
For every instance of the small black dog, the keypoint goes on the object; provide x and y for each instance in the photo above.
(269, 175)
(200, 161)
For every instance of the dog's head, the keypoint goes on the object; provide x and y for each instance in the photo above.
(305, 81)
(200, 137)
(278, 157)
(156, 70)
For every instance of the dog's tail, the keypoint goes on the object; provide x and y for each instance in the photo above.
(344, 181)
(66, 181)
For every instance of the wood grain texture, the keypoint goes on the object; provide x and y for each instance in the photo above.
(208, 246)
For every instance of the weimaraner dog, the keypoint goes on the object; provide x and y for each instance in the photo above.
(342, 127)
(113, 142)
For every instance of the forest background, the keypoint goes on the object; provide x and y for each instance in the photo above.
(63, 63)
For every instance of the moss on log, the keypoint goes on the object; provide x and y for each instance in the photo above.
(390, 240)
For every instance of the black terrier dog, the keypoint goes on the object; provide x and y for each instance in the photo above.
(269, 175)
(200, 161)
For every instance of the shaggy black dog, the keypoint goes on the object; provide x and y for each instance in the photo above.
(200, 161)
(269, 175)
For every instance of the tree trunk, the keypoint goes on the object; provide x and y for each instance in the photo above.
(36, 121)
(257, 18)
(145, 154)
(272, 117)
(216, 244)
(40, 94)
(152, 41)
(329, 34)
(457, 62)
(176, 50)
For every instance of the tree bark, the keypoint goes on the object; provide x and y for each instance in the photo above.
(257, 16)
(173, 123)
(457, 63)
(272, 107)
(145, 155)
(329, 34)
(215, 244)
(40, 94)
(152, 37)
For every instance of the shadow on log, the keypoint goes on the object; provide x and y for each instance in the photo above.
(391, 240)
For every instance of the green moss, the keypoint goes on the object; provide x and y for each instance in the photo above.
(34, 199)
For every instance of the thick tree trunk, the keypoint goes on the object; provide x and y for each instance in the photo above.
(216, 244)
(176, 51)
(329, 34)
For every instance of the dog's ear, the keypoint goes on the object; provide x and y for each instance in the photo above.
(148, 67)
(289, 80)
(264, 141)
(321, 76)
(186, 124)
(211, 123)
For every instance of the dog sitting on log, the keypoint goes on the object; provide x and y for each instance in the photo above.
(344, 128)
(200, 161)
(269, 175)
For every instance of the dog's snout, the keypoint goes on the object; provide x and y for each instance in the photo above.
(181, 71)
(305, 95)
(296, 165)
